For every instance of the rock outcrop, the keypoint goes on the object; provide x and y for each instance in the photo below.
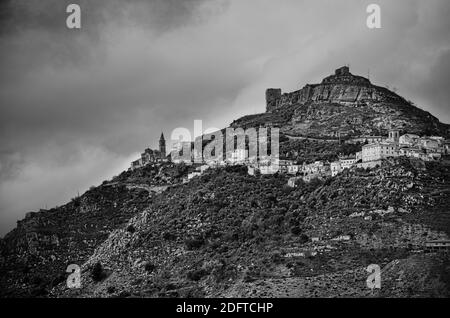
(342, 88)
(343, 105)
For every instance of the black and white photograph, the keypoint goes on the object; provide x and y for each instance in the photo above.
(226, 150)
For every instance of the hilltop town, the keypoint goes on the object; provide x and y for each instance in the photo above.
(362, 177)
(342, 88)
(374, 149)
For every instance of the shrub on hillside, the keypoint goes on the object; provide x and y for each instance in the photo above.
(296, 230)
(304, 238)
(111, 289)
(169, 236)
(149, 267)
(76, 201)
(97, 272)
(196, 275)
(194, 243)
(131, 229)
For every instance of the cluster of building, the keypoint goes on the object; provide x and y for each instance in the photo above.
(373, 152)
(408, 145)
(152, 156)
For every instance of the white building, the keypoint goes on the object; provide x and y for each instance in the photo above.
(347, 163)
(136, 164)
(315, 167)
(194, 174)
(292, 181)
(284, 165)
(368, 139)
(378, 151)
(408, 139)
(428, 143)
(294, 169)
(335, 168)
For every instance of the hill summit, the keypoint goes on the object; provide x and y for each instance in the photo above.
(343, 87)
(344, 105)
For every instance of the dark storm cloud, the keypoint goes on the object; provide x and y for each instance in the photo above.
(161, 15)
(78, 105)
(76, 98)
(74, 81)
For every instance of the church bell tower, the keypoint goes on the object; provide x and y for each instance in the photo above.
(162, 146)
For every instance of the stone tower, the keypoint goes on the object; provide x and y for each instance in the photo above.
(162, 146)
(272, 95)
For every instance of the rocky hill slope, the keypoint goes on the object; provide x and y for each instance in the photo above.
(35, 255)
(146, 233)
(230, 234)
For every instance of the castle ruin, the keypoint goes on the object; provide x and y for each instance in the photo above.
(342, 87)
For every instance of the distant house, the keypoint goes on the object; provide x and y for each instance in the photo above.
(311, 176)
(194, 174)
(151, 156)
(202, 168)
(378, 151)
(268, 169)
(408, 139)
(292, 182)
(368, 139)
(293, 169)
(437, 245)
(314, 170)
(428, 143)
(335, 168)
(315, 167)
(284, 165)
(136, 164)
(342, 238)
(416, 152)
(347, 162)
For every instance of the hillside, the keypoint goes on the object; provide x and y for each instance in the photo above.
(230, 234)
(148, 233)
(35, 255)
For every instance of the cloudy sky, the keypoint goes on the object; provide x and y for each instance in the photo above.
(76, 106)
